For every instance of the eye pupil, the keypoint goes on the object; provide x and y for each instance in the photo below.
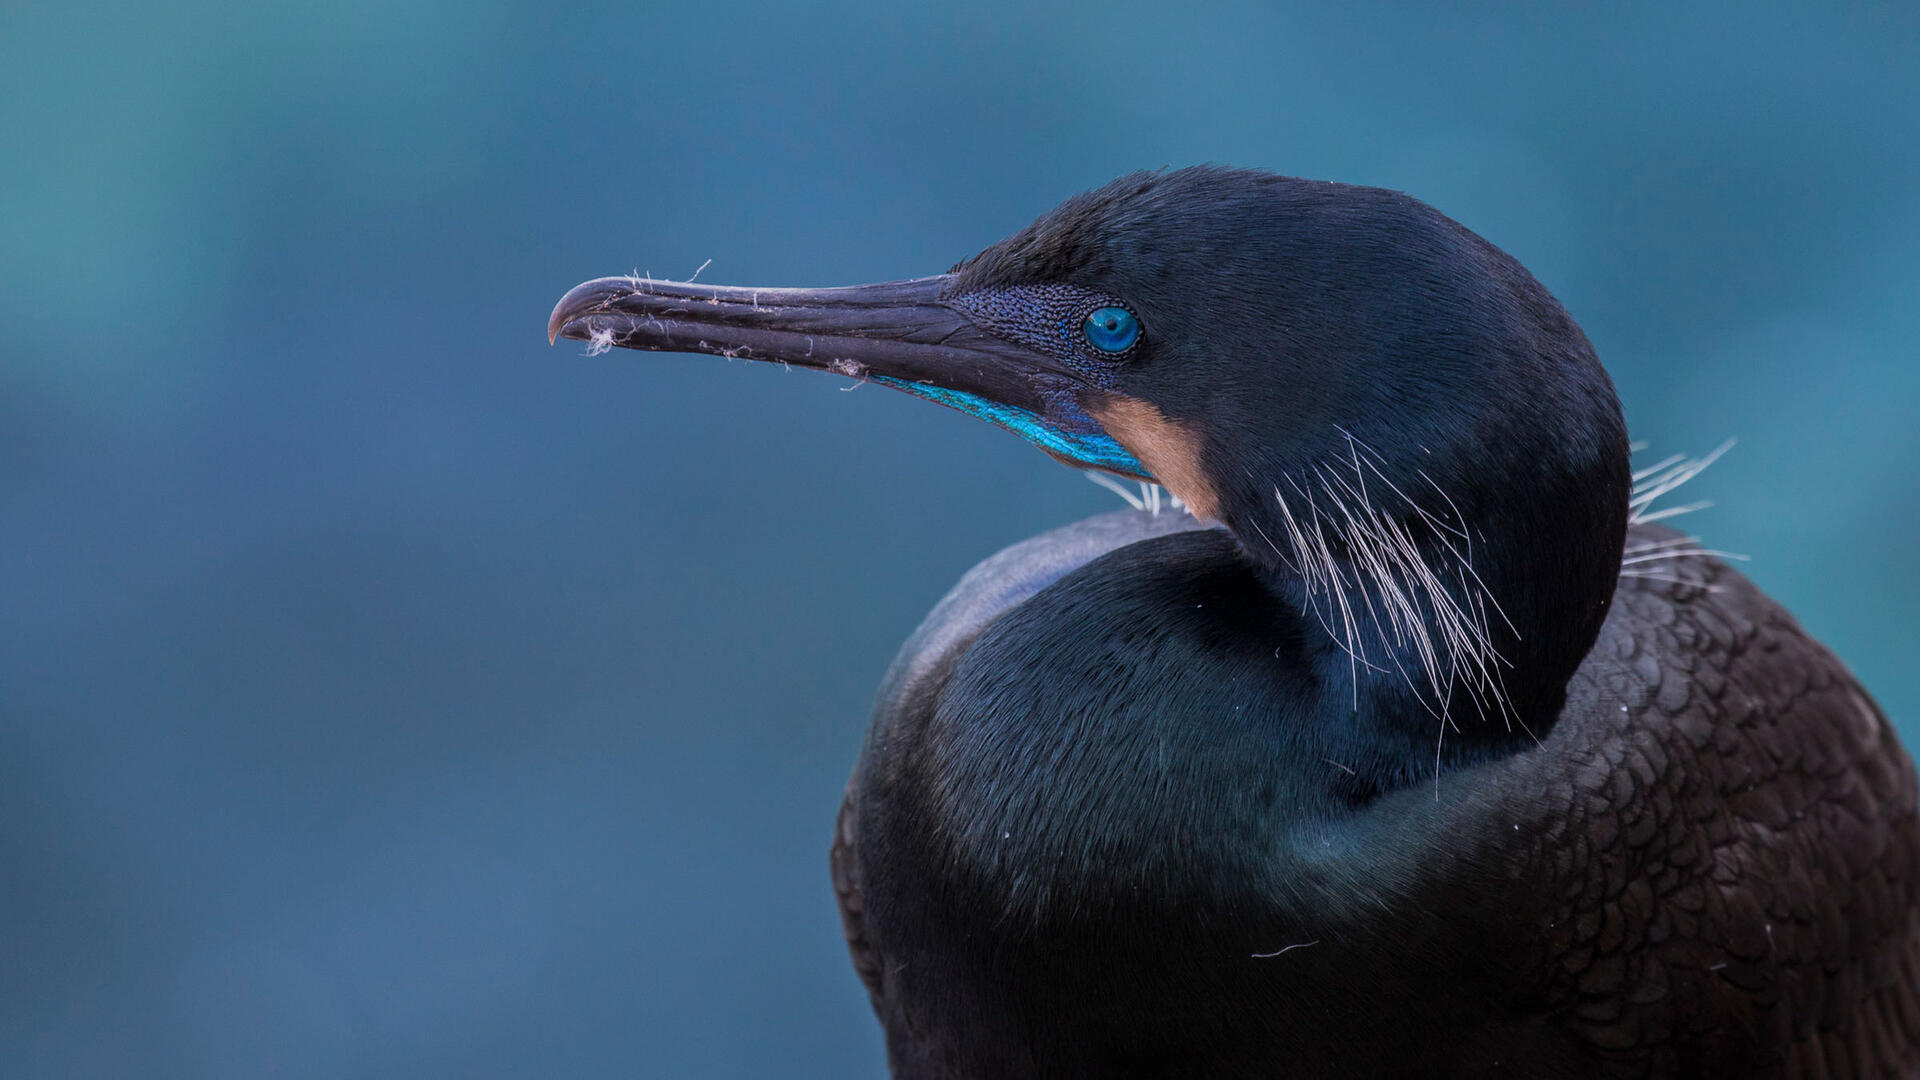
(1111, 329)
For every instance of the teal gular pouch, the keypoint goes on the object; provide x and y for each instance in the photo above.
(1069, 434)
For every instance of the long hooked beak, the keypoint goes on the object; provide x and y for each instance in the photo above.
(898, 333)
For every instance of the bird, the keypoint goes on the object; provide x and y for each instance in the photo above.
(1403, 740)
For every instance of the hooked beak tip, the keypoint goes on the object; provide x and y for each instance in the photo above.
(557, 321)
(582, 300)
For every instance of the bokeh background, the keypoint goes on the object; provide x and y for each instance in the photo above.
(385, 693)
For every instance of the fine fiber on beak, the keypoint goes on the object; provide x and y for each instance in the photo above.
(896, 331)
(902, 334)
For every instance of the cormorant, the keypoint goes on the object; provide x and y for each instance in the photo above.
(1413, 751)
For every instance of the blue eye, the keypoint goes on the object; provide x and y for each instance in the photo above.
(1111, 329)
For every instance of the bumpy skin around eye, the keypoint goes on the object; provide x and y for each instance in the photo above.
(1045, 318)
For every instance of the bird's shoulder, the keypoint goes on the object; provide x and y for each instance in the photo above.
(1004, 582)
(1726, 824)
(911, 688)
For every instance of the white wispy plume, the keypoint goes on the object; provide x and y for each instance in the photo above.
(1652, 559)
(1349, 532)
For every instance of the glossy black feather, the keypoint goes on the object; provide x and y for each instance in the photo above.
(1708, 867)
(1149, 799)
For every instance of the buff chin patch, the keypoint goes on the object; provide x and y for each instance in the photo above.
(1170, 452)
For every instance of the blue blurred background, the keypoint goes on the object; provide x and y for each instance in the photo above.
(385, 693)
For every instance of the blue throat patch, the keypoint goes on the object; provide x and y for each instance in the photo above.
(1093, 447)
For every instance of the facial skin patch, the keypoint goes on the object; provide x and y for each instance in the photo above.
(1169, 451)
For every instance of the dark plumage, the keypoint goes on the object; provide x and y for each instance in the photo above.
(1394, 771)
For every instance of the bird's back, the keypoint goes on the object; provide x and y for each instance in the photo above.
(1709, 866)
(1720, 844)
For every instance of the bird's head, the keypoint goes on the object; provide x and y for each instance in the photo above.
(1398, 423)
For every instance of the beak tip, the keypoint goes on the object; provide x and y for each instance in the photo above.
(557, 321)
(581, 300)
